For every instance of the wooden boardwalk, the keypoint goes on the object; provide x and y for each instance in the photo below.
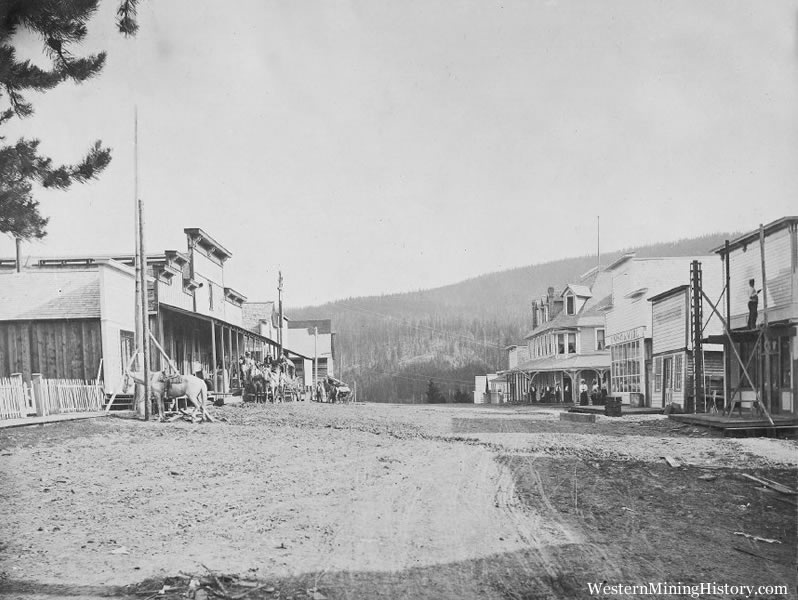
(746, 425)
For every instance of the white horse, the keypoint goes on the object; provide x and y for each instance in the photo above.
(172, 387)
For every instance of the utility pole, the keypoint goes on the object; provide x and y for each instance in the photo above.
(138, 337)
(315, 356)
(145, 319)
(280, 310)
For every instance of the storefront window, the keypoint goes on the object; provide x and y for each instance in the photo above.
(626, 359)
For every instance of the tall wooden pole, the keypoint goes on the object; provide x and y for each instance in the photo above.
(765, 338)
(315, 356)
(280, 309)
(727, 355)
(145, 318)
(138, 337)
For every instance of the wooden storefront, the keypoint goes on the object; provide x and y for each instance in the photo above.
(58, 349)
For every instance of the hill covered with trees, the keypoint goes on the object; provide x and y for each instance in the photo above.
(394, 345)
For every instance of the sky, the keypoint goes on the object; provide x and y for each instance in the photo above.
(369, 147)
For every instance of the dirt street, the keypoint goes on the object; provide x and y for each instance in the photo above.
(386, 501)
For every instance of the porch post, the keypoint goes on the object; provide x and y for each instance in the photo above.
(766, 338)
(224, 362)
(213, 355)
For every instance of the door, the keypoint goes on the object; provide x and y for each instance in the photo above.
(667, 380)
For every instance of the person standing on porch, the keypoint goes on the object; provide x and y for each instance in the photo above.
(753, 303)
(583, 393)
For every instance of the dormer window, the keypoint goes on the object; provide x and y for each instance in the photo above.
(570, 305)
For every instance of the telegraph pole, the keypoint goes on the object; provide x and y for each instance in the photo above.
(315, 356)
(139, 403)
(280, 310)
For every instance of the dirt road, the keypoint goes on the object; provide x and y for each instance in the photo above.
(375, 501)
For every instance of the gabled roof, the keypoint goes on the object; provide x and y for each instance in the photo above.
(255, 312)
(62, 294)
(753, 236)
(578, 290)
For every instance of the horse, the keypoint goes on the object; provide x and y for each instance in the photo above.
(275, 385)
(255, 379)
(172, 386)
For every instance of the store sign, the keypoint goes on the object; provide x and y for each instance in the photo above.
(626, 336)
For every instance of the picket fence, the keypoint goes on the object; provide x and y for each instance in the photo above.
(20, 399)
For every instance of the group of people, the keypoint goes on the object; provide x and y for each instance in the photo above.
(271, 377)
(330, 390)
(595, 394)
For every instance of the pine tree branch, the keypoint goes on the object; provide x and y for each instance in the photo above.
(126, 17)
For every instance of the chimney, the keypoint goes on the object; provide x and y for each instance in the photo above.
(534, 315)
(19, 254)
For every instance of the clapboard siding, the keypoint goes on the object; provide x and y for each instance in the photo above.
(670, 322)
(746, 263)
(58, 349)
(173, 294)
(654, 275)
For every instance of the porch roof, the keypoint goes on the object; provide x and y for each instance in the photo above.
(206, 318)
(576, 362)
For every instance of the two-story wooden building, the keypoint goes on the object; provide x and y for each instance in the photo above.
(769, 257)
(629, 322)
(674, 346)
(65, 314)
(567, 342)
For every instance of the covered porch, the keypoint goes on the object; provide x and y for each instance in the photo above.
(207, 347)
(556, 379)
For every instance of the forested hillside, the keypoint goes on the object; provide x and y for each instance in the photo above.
(393, 345)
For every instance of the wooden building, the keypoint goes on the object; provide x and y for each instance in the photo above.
(629, 320)
(672, 338)
(61, 315)
(770, 349)
(315, 339)
(59, 321)
(567, 342)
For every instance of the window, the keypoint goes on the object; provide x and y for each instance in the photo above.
(571, 343)
(625, 367)
(678, 372)
(658, 374)
(784, 362)
(600, 344)
(560, 343)
(570, 304)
